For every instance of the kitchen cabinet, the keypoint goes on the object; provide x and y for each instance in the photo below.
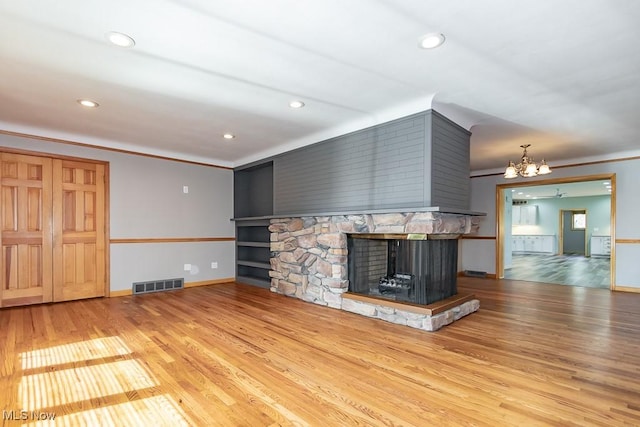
(524, 215)
(600, 245)
(533, 243)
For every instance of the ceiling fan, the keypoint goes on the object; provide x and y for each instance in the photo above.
(558, 195)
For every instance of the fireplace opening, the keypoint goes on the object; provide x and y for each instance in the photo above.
(394, 268)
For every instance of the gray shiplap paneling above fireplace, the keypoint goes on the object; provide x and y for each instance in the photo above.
(417, 161)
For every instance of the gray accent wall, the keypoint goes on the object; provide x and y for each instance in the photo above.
(417, 161)
(377, 167)
(450, 163)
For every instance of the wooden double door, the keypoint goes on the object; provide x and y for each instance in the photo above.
(53, 235)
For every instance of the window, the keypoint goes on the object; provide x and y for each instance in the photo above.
(579, 221)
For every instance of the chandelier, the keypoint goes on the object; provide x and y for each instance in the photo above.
(527, 167)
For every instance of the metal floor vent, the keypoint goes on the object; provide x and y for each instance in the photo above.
(157, 286)
(474, 273)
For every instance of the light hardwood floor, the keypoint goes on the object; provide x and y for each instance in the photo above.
(236, 355)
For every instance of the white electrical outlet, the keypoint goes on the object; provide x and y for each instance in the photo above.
(185, 189)
(214, 264)
(187, 267)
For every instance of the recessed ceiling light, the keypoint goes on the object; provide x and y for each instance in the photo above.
(520, 193)
(606, 183)
(431, 40)
(88, 103)
(296, 104)
(528, 195)
(120, 39)
(228, 136)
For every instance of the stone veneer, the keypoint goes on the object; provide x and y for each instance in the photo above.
(410, 318)
(309, 259)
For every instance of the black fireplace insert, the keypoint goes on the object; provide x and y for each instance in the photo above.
(397, 268)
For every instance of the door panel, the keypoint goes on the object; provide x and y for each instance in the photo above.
(26, 234)
(79, 233)
(573, 240)
(52, 230)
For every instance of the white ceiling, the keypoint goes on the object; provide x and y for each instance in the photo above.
(561, 75)
(562, 191)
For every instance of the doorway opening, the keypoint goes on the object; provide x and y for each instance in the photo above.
(573, 232)
(557, 231)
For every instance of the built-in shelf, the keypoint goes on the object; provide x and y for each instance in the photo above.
(255, 264)
(253, 252)
(254, 244)
(251, 280)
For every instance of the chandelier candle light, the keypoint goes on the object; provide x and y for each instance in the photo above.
(527, 166)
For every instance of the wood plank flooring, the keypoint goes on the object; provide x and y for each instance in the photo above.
(230, 354)
(573, 270)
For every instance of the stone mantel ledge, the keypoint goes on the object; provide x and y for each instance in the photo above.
(309, 253)
(381, 223)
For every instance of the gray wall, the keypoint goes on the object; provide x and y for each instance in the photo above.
(386, 166)
(147, 201)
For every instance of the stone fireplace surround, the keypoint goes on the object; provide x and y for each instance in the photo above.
(309, 260)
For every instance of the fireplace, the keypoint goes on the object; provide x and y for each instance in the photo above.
(400, 269)
(411, 262)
